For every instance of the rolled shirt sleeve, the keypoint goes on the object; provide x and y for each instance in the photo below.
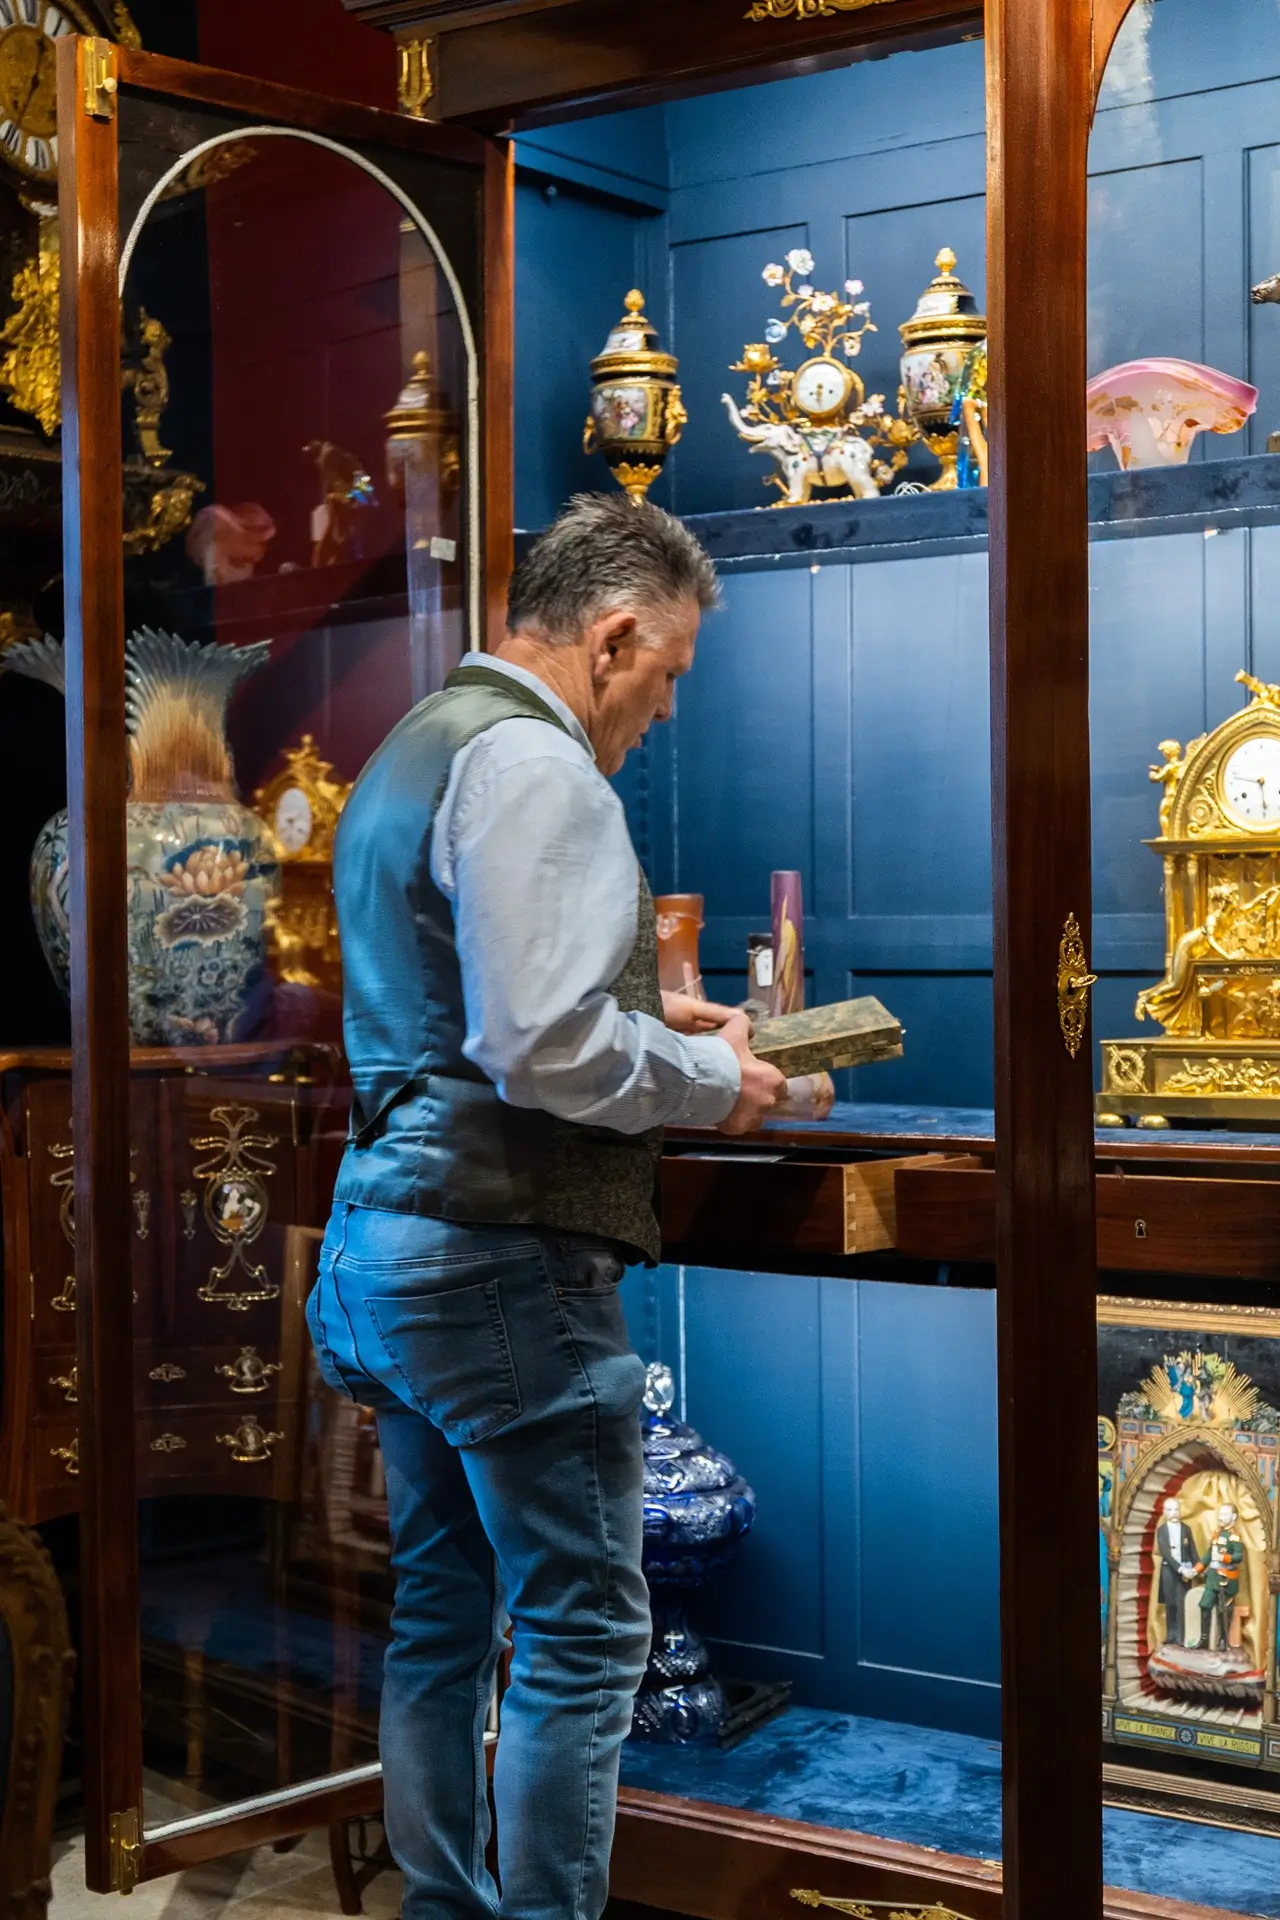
(531, 847)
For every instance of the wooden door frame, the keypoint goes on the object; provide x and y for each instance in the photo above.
(1045, 59)
(1039, 98)
(1044, 63)
(96, 778)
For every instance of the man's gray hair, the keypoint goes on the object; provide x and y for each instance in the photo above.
(601, 554)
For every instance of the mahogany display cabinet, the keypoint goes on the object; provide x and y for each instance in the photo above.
(339, 385)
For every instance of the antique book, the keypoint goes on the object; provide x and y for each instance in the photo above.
(848, 1033)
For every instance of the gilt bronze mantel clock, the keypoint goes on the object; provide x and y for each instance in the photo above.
(1219, 1000)
(302, 805)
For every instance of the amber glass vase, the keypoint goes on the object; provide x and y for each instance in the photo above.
(679, 924)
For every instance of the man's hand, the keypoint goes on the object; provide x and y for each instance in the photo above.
(684, 1014)
(762, 1085)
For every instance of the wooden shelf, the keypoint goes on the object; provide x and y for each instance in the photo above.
(1205, 495)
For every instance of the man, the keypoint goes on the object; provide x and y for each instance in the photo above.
(512, 1073)
(1176, 1547)
(1221, 1579)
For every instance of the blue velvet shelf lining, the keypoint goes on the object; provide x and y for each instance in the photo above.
(942, 1790)
(882, 1123)
(1217, 494)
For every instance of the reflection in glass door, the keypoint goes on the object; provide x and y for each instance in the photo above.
(292, 515)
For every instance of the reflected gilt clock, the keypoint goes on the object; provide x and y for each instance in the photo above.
(302, 806)
(1219, 1001)
(29, 33)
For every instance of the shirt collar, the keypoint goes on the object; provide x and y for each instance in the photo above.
(546, 694)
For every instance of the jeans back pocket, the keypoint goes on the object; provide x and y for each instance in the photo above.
(451, 1358)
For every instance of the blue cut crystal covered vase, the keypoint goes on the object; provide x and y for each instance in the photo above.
(697, 1507)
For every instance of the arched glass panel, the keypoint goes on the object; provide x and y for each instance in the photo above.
(298, 511)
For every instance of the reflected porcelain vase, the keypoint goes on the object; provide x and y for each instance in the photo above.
(201, 872)
(1150, 411)
(696, 1509)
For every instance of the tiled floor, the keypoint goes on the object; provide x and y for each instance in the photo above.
(263, 1885)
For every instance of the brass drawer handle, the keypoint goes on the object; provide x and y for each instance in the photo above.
(69, 1456)
(249, 1443)
(166, 1371)
(69, 1384)
(249, 1372)
(168, 1443)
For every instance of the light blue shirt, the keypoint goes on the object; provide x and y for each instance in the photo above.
(530, 845)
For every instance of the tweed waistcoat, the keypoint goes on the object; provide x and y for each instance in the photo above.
(429, 1133)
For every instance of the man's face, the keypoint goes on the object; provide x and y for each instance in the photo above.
(636, 660)
(1173, 1510)
(1226, 1516)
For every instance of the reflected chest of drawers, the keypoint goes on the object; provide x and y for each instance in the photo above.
(230, 1171)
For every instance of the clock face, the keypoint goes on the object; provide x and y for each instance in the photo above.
(28, 86)
(293, 820)
(1251, 781)
(820, 387)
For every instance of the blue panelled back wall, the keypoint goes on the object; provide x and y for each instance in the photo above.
(836, 721)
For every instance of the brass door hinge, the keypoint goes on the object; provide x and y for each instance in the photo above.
(126, 1850)
(99, 79)
(1074, 982)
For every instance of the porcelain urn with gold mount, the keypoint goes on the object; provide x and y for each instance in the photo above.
(938, 341)
(637, 414)
(1218, 1057)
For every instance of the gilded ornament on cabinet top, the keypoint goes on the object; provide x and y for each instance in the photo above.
(415, 83)
(805, 9)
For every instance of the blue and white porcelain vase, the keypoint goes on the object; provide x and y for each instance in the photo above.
(202, 873)
(697, 1507)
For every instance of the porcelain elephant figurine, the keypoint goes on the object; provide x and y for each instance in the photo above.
(847, 462)
(797, 463)
(844, 461)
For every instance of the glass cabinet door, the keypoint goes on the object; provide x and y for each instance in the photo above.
(287, 461)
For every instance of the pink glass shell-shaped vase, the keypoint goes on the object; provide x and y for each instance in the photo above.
(1150, 411)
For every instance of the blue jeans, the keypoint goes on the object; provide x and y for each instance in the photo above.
(507, 1395)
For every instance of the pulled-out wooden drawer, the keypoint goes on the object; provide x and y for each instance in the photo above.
(761, 1203)
(1147, 1223)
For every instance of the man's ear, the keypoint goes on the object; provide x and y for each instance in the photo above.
(612, 637)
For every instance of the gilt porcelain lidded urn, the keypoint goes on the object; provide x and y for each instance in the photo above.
(697, 1507)
(636, 414)
(202, 874)
(937, 341)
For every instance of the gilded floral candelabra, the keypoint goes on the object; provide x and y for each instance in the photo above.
(816, 422)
